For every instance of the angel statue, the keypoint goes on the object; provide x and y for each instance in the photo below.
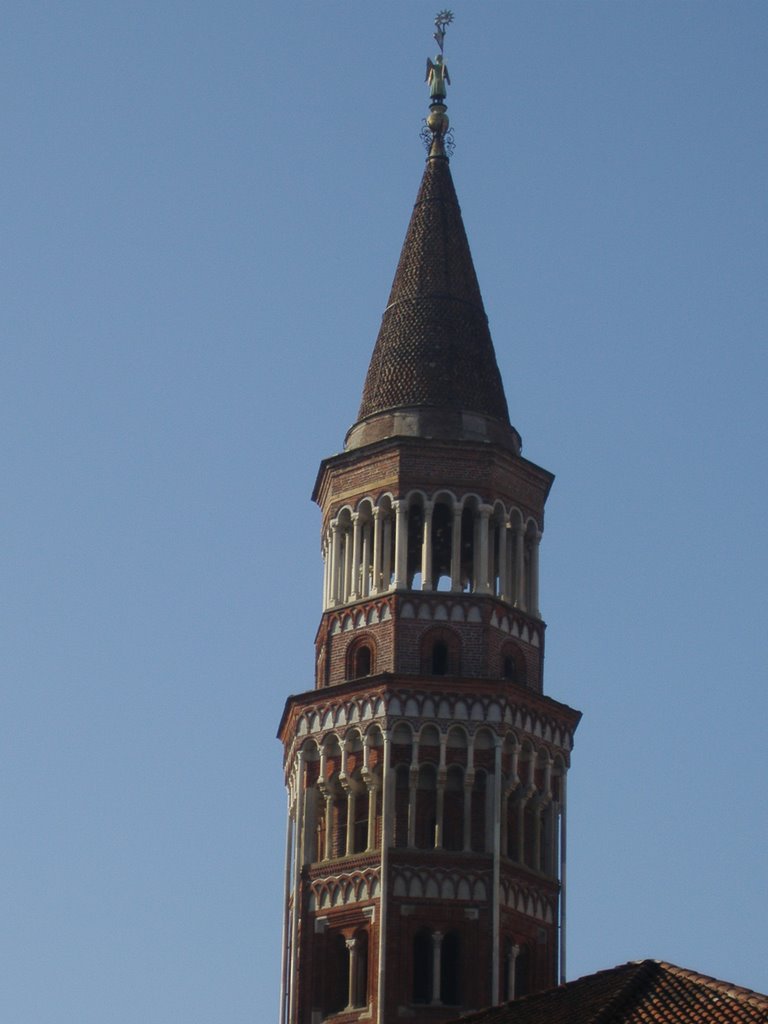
(438, 78)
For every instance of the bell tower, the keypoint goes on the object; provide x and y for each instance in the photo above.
(426, 770)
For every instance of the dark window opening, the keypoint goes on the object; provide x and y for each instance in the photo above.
(510, 669)
(440, 659)
(360, 838)
(422, 967)
(402, 797)
(450, 970)
(362, 661)
(522, 974)
(336, 975)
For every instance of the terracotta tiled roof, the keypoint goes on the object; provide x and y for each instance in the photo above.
(646, 992)
(434, 348)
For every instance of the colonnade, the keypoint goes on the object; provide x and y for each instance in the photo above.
(445, 791)
(382, 788)
(432, 544)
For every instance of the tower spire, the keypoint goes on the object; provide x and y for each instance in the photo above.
(433, 372)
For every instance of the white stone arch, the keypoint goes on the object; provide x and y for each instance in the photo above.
(412, 707)
(428, 736)
(457, 737)
(402, 734)
(415, 888)
(483, 739)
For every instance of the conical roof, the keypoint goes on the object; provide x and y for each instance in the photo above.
(434, 354)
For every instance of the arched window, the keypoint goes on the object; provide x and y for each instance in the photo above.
(513, 664)
(440, 652)
(361, 658)
(422, 966)
(450, 969)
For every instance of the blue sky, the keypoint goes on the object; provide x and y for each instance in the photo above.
(203, 205)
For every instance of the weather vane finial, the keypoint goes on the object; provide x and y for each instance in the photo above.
(442, 20)
(438, 79)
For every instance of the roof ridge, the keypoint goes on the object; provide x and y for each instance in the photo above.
(725, 988)
(640, 972)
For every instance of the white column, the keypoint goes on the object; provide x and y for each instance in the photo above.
(376, 568)
(352, 948)
(413, 780)
(514, 951)
(365, 560)
(426, 548)
(326, 571)
(401, 543)
(299, 815)
(328, 841)
(519, 567)
(562, 877)
(456, 549)
(350, 820)
(439, 805)
(502, 542)
(534, 609)
(482, 585)
(373, 792)
(496, 899)
(469, 782)
(386, 554)
(437, 943)
(386, 828)
(287, 951)
(347, 568)
(354, 581)
(334, 570)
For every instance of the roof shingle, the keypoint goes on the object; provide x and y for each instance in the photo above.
(645, 992)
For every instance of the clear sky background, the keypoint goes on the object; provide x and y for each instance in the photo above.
(202, 209)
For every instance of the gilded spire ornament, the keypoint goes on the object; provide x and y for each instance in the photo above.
(436, 133)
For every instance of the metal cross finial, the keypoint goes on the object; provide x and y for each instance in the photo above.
(442, 20)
